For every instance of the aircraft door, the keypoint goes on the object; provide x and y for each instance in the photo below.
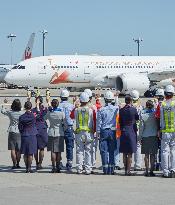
(87, 72)
(41, 68)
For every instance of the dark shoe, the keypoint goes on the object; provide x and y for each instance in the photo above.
(18, 167)
(146, 174)
(31, 171)
(14, 167)
(172, 174)
(39, 167)
(151, 174)
(61, 166)
(53, 170)
(27, 171)
(130, 174)
(58, 170)
(117, 168)
(165, 176)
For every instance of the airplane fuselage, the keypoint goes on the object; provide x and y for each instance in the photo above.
(84, 71)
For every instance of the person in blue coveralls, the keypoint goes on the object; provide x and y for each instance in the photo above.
(106, 132)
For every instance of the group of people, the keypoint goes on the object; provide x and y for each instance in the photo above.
(128, 129)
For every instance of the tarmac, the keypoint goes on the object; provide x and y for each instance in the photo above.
(42, 187)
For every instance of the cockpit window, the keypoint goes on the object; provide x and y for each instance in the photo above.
(18, 67)
(21, 67)
(15, 67)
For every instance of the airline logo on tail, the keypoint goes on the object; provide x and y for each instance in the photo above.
(28, 51)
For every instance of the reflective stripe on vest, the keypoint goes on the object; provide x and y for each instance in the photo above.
(168, 115)
(83, 120)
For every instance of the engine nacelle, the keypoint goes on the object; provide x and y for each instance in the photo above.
(127, 82)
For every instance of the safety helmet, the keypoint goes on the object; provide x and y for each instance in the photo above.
(134, 94)
(169, 89)
(109, 95)
(84, 97)
(64, 93)
(89, 92)
(160, 92)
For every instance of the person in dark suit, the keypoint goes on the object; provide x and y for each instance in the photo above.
(42, 137)
(28, 130)
(128, 141)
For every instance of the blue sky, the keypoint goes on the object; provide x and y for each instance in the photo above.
(105, 27)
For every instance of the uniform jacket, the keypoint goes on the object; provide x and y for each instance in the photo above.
(27, 124)
(148, 124)
(67, 109)
(106, 117)
(128, 116)
(14, 119)
(40, 116)
(57, 121)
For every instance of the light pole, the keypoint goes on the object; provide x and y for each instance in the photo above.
(44, 32)
(138, 41)
(11, 36)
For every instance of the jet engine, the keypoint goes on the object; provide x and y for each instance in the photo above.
(131, 81)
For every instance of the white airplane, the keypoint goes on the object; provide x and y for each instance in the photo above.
(121, 72)
(4, 69)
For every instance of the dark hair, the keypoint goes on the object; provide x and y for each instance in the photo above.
(150, 104)
(40, 99)
(54, 103)
(16, 105)
(28, 105)
(128, 99)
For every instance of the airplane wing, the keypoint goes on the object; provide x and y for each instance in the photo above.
(161, 75)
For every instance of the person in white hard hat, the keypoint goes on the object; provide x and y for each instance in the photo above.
(167, 128)
(84, 134)
(106, 132)
(69, 136)
(95, 139)
(137, 156)
(160, 97)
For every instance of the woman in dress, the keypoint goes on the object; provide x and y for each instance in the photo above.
(57, 121)
(14, 137)
(42, 137)
(128, 116)
(148, 136)
(28, 130)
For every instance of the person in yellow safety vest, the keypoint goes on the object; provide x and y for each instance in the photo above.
(47, 95)
(95, 139)
(84, 134)
(137, 156)
(38, 92)
(29, 94)
(167, 128)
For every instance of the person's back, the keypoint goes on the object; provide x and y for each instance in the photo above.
(27, 124)
(14, 119)
(56, 118)
(106, 117)
(128, 115)
(148, 125)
